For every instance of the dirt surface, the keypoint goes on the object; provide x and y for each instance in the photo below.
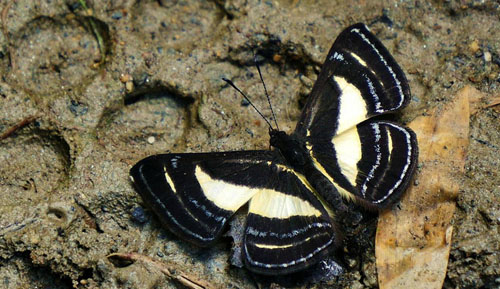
(85, 93)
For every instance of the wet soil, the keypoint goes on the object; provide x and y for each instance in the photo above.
(85, 93)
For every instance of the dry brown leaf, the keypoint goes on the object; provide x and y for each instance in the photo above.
(413, 239)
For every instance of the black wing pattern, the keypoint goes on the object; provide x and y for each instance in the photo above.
(368, 160)
(188, 194)
(358, 80)
(288, 228)
(194, 195)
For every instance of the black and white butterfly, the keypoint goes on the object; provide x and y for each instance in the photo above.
(337, 151)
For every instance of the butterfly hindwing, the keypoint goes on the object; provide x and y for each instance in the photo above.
(372, 162)
(287, 227)
(388, 159)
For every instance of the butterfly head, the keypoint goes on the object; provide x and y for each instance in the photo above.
(290, 147)
(277, 137)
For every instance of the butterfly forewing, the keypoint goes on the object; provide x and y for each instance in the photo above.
(194, 195)
(358, 80)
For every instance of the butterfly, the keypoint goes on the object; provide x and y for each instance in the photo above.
(338, 151)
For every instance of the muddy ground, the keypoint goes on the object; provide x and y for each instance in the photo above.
(85, 93)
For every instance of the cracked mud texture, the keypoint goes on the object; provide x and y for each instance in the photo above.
(65, 198)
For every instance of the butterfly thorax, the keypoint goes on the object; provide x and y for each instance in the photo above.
(290, 147)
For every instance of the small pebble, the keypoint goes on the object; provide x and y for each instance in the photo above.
(129, 86)
(117, 15)
(139, 216)
(125, 77)
(487, 56)
(474, 46)
(151, 139)
(245, 102)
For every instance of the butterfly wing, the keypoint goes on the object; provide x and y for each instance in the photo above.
(287, 229)
(358, 80)
(360, 158)
(194, 195)
(372, 162)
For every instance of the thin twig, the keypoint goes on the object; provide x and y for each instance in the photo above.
(493, 102)
(100, 41)
(18, 126)
(3, 16)
(188, 281)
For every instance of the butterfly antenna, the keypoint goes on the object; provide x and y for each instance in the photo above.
(247, 99)
(265, 90)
